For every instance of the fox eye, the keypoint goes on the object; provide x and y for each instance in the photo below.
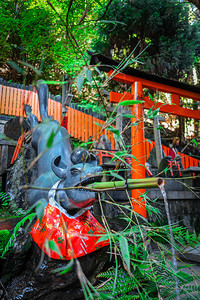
(75, 171)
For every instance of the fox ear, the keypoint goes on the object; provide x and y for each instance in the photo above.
(59, 168)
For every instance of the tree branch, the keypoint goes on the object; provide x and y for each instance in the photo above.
(67, 15)
(107, 6)
(51, 5)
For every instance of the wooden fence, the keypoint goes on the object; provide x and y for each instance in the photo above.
(84, 126)
(187, 160)
(80, 125)
(12, 102)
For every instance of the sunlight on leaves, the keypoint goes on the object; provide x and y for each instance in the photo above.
(125, 250)
(130, 102)
(80, 80)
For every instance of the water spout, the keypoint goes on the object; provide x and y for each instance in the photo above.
(174, 261)
(129, 184)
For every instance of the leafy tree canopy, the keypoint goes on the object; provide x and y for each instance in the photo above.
(50, 35)
(53, 35)
(166, 27)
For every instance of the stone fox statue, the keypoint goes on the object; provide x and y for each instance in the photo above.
(58, 163)
(66, 220)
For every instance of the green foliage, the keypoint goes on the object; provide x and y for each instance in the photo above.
(130, 102)
(10, 242)
(163, 26)
(124, 248)
(4, 238)
(151, 274)
(93, 106)
(125, 284)
(4, 200)
(51, 36)
(28, 32)
(8, 208)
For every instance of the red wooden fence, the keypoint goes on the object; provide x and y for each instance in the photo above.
(83, 126)
(80, 125)
(12, 102)
(187, 161)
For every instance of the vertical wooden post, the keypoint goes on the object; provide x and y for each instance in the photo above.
(76, 123)
(3, 99)
(86, 126)
(8, 88)
(68, 119)
(15, 101)
(137, 141)
(72, 125)
(10, 109)
(79, 124)
(22, 103)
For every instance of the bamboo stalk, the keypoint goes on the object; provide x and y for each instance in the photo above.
(129, 184)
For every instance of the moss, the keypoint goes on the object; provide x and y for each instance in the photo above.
(4, 238)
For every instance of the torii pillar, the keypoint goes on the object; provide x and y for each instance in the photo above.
(137, 149)
(137, 135)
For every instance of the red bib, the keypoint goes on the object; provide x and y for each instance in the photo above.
(74, 237)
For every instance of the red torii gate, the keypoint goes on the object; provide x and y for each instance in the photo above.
(139, 80)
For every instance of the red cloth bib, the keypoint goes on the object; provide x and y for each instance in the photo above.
(73, 237)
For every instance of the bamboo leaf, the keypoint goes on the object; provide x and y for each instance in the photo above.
(50, 140)
(39, 73)
(130, 102)
(116, 175)
(80, 80)
(124, 250)
(16, 67)
(54, 247)
(131, 155)
(150, 111)
(88, 74)
(64, 269)
(134, 124)
(150, 142)
(97, 70)
(114, 130)
(40, 209)
(98, 124)
(30, 217)
(54, 82)
(103, 238)
(155, 112)
(112, 21)
(195, 142)
(151, 97)
(121, 153)
(127, 116)
(104, 296)
(165, 170)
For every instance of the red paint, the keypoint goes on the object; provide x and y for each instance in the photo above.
(72, 237)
